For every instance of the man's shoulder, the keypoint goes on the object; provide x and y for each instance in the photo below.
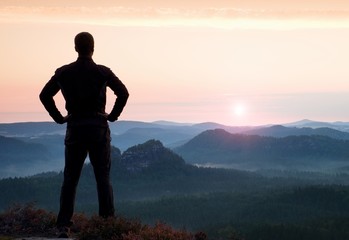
(104, 69)
(65, 67)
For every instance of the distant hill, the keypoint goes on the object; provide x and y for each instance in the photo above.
(18, 158)
(168, 136)
(13, 149)
(282, 131)
(126, 134)
(149, 155)
(50, 136)
(341, 126)
(29, 129)
(25, 129)
(145, 171)
(218, 147)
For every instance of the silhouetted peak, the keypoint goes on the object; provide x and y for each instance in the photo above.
(150, 146)
(215, 132)
(150, 153)
(210, 136)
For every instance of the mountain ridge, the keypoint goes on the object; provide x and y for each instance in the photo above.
(253, 151)
(282, 131)
(119, 127)
(126, 134)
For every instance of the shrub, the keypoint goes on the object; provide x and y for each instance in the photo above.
(121, 229)
(28, 221)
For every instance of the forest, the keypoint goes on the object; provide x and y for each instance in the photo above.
(153, 184)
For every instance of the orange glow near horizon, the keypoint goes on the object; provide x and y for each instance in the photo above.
(186, 61)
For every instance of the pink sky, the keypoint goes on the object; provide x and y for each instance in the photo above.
(232, 62)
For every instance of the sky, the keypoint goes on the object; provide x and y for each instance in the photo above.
(250, 62)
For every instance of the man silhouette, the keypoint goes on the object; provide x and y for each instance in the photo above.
(83, 85)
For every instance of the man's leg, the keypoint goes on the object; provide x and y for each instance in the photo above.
(75, 155)
(101, 162)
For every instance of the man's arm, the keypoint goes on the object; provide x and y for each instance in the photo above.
(121, 94)
(46, 97)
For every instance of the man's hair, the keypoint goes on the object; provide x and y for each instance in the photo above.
(84, 43)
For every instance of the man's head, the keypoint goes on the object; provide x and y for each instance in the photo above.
(84, 44)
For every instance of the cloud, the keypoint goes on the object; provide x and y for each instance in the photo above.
(161, 16)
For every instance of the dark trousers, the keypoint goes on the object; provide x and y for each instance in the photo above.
(79, 142)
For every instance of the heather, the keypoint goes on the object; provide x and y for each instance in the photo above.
(29, 221)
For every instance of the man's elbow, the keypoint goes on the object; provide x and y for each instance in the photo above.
(45, 98)
(42, 97)
(125, 96)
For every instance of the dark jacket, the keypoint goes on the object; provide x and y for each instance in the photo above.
(83, 84)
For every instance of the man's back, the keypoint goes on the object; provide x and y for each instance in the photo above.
(83, 84)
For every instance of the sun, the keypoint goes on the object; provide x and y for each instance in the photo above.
(239, 110)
